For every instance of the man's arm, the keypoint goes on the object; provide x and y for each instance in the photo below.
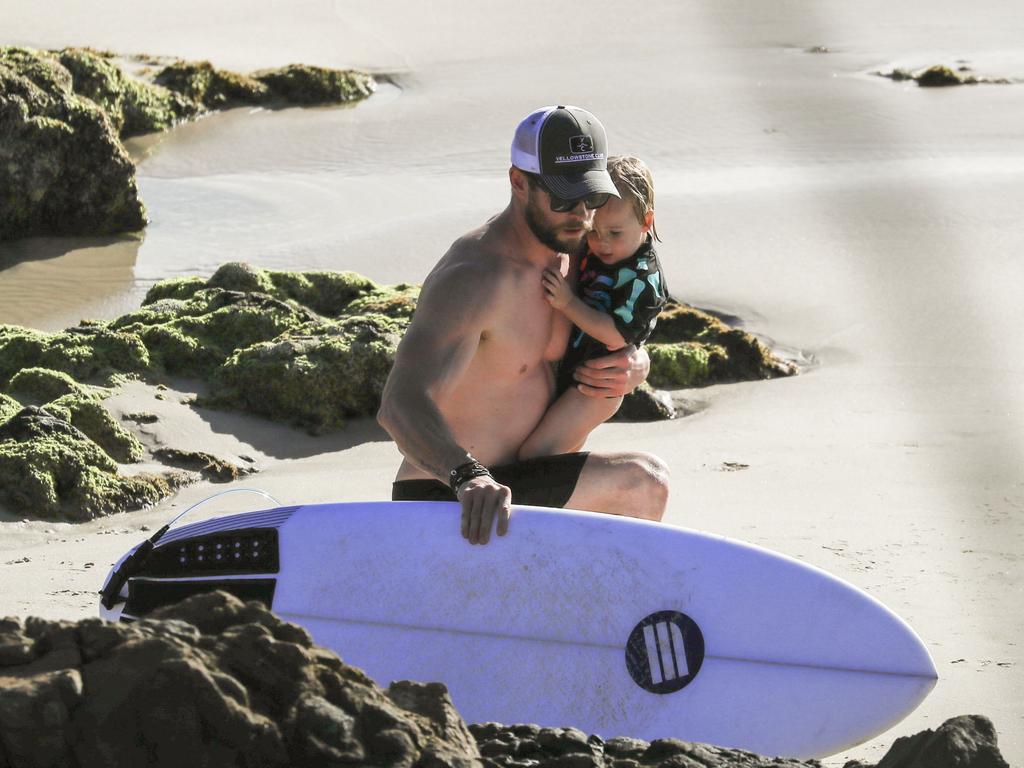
(451, 314)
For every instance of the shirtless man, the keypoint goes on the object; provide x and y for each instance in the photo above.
(474, 373)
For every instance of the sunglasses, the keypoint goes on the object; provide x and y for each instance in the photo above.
(560, 204)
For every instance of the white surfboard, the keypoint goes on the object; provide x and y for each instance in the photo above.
(612, 625)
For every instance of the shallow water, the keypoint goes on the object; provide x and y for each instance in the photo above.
(873, 224)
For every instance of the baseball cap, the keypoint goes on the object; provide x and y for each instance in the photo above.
(568, 148)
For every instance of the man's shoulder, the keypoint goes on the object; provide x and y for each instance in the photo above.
(475, 258)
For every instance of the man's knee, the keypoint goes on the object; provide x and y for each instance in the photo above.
(648, 479)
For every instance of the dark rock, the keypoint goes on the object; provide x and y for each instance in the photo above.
(163, 692)
(646, 404)
(15, 647)
(968, 741)
(209, 466)
(938, 76)
(564, 741)
(36, 716)
(622, 746)
(32, 422)
(142, 417)
(215, 682)
(432, 702)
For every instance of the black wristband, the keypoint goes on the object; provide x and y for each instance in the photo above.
(467, 471)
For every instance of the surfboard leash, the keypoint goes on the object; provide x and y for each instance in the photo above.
(133, 563)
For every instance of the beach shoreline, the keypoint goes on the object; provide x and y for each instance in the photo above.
(872, 225)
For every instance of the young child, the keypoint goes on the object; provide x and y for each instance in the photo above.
(620, 293)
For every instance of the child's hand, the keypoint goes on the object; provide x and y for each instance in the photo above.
(556, 289)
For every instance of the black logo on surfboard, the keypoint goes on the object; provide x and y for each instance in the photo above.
(664, 652)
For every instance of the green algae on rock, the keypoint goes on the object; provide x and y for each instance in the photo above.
(301, 84)
(134, 107)
(83, 352)
(51, 469)
(66, 171)
(199, 82)
(63, 115)
(316, 381)
(8, 407)
(308, 348)
(94, 421)
(691, 348)
(39, 386)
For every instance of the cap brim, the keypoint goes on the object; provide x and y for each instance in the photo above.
(577, 185)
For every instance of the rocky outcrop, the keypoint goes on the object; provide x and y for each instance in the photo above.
(65, 170)
(63, 115)
(691, 348)
(940, 75)
(215, 682)
(214, 469)
(968, 741)
(50, 468)
(312, 349)
(210, 682)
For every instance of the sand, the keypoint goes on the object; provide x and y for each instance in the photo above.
(869, 228)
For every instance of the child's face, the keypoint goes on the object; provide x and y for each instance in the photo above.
(617, 233)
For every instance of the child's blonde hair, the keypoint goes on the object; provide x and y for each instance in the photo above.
(633, 180)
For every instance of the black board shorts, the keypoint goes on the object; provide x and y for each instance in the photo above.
(544, 481)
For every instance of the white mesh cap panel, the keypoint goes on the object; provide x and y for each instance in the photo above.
(526, 142)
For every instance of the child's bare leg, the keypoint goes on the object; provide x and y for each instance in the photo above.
(567, 423)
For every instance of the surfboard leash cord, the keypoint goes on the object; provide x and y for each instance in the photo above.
(133, 563)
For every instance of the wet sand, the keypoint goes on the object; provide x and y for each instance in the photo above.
(870, 226)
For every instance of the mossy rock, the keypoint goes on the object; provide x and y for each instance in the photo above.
(214, 323)
(198, 81)
(84, 353)
(133, 107)
(301, 84)
(66, 171)
(175, 288)
(96, 423)
(313, 381)
(49, 469)
(692, 348)
(41, 385)
(241, 276)
(681, 322)
(684, 364)
(8, 407)
(325, 293)
(397, 301)
(63, 113)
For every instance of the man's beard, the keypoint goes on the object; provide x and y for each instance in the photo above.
(548, 233)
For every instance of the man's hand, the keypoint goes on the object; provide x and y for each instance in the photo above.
(483, 499)
(613, 375)
(557, 291)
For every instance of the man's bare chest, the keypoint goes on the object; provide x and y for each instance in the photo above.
(525, 332)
